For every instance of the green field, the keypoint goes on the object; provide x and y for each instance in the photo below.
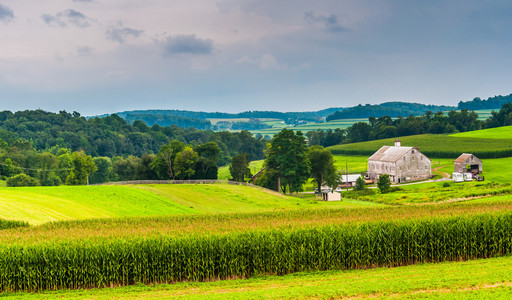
(254, 166)
(440, 145)
(38, 205)
(476, 279)
(278, 126)
(504, 132)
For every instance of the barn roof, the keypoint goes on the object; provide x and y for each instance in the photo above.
(463, 157)
(390, 153)
(350, 177)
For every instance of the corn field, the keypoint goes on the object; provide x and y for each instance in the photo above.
(114, 262)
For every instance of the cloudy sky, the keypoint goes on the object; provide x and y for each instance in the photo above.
(103, 56)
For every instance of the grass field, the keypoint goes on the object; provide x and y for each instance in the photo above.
(504, 132)
(476, 279)
(444, 146)
(254, 166)
(341, 124)
(38, 205)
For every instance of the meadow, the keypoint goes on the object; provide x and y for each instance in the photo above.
(504, 132)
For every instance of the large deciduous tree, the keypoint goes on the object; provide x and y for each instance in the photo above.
(185, 163)
(163, 164)
(287, 156)
(83, 165)
(239, 168)
(322, 166)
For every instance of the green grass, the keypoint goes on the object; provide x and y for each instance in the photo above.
(433, 145)
(504, 132)
(476, 279)
(278, 126)
(38, 205)
(254, 166)
(435, 192)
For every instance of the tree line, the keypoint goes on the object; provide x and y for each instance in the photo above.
(113, 136)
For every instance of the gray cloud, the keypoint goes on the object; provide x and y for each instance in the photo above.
(187, 44)
(330, 23)
(82, 0)
(120, 34)
(69, 16)
(6, 14)
(84, 50)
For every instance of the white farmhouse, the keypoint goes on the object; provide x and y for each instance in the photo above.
(401, 163)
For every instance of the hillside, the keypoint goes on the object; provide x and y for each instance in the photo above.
(38, 205)
(504, 132)
(495, 102)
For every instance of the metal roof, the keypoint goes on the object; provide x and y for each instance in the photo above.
(463, 157)
(350, 177)
(390, 153)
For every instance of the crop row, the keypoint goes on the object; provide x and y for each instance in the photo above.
(211, 224)
(8, 224)
(242, 255)
(439, 146)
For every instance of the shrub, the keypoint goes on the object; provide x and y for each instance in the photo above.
(446, 184)
(360, 184)
(22, 180)
(384, 183)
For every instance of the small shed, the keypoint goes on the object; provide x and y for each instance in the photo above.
(467, 163)
(330, 195)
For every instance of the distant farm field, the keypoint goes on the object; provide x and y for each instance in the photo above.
(341, 124)
(435, 145)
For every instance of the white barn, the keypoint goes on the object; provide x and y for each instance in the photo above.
(403, 164)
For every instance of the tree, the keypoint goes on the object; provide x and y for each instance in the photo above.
(163, 164)
(287, 156)
(239, 168)
(208, 157)
(384, 183)
(125, 168)
(322, 166)
(360, 184)
(104, 173)
(185, 162)
(83, 165)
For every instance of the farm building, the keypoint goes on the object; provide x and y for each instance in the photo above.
(401, 163)
(349, 180)
(330, 195)
(467, 162)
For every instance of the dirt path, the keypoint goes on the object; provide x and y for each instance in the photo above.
(443, 174)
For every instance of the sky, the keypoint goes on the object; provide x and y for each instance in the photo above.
(106, 56)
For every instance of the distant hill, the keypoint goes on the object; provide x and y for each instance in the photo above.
(495, 102)
(391, 109)
(256, 114)
(199, 119)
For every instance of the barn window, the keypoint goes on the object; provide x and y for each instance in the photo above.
(412, 151)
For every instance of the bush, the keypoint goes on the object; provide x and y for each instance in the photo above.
(360, 184)
(384, 183)
(22, 180)
(446, 184)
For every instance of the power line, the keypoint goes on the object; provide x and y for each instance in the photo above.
(31, 169)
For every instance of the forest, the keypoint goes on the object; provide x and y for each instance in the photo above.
(391, 109)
